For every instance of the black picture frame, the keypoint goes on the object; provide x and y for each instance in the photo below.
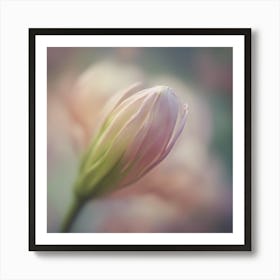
(246, 32)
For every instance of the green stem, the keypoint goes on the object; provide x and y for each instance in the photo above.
(72, 215)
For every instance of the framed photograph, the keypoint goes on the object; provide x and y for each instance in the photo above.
(140, 139)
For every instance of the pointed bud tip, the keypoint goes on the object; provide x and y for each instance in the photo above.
(161, 88)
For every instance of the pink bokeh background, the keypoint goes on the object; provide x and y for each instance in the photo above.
(191, 190)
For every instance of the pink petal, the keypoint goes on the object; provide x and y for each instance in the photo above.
(170, 145)
(119, 97)
(178, 130)
(126, 130)
(160, 128)
(106, 136)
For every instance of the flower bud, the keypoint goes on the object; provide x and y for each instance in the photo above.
(138, 130)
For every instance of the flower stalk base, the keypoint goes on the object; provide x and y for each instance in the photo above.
(72, 215)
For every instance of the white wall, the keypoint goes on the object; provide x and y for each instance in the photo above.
(17, 262)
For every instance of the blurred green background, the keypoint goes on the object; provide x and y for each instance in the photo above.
(191, 190)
